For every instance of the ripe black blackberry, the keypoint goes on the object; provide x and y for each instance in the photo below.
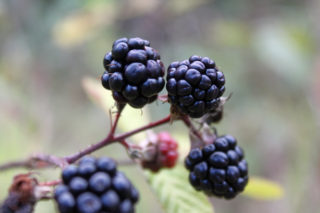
(134, 72)
(195, 85)
(218, 169)
(95, 186)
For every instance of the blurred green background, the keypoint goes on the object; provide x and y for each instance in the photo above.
(268, 50)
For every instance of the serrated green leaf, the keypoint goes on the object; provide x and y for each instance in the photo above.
(262, 189)
(103, 98)
(176, 194)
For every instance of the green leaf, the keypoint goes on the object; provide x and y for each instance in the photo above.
(262, 189)
(176, 194)
(103, 98)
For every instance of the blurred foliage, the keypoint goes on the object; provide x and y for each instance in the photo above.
(268, 50)
(259, 188)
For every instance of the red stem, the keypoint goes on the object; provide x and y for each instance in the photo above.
(50, 183)
(125, 144)
(129, 145)
(149, 126)
(111, 138)
(114, 126)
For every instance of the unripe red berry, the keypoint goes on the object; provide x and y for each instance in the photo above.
(165, 155)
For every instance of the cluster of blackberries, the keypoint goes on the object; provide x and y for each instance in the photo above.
(166, 153)
(134, 72)
(195, 85)
(95, 186)
(218, 169)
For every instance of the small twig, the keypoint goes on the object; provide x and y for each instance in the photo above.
(50, 183)
(44, 161)
(134, 151)
(115, 124)
(16, 164)
(110, 116)
(149, 126)
(50, 159)
(125, 144)
(111, 138)
(37, 161)
(129, 145)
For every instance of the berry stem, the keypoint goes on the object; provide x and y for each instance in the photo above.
(149, 126)
(111, 138)
(115, 124)
(44, 161)
(50, 183)
(125, 144)
(129, 145)
(186, 120)
(90, 149)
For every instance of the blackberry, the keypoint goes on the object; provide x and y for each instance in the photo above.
(195, 85)
(218, 169)
(166, 153)
(133, 72)
(95, 186)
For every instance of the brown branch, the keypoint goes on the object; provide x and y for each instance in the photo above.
(44, 161)
(37, 161)
(111, 139)
(16, 164)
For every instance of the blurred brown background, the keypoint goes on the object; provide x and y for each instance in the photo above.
(268, 50)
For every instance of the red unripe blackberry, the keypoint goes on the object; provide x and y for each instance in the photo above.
(165, 155)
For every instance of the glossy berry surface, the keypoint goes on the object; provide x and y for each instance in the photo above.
(218, 169)
(195, 85)
(166, 153)
(95, 186)
(133, 72)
